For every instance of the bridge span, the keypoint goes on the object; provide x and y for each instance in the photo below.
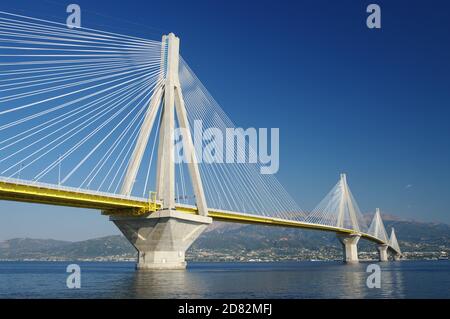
(122, 207)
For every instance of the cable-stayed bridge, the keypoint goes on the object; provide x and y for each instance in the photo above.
(88, 119)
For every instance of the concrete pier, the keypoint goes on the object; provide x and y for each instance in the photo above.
(349, 244)
(383, 252)
(162, 238)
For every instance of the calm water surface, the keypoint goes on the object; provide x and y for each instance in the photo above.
(405, 279)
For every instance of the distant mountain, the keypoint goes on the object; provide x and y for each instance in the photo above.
(252, 237)
(29, 248)
(222, 240)
(412, 235)
(25, 248)
(417, 236)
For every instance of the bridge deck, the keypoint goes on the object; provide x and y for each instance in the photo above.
(31, 192)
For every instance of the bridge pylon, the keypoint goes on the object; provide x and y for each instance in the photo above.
(346, 205)
(383, 252)
(395, 247)
(378, 230)
(162, 238)
(347, 210)
(350, 246)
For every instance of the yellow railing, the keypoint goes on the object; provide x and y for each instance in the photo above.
(152, 205)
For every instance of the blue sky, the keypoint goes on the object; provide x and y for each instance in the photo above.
(371, 103)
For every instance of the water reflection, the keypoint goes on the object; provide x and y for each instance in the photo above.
(259, 280)
(165, 284)
(392, 285)
(414, 279)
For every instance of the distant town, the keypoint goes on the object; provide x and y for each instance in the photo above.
(269, 255)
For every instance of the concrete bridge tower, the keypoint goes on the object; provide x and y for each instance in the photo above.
(347, 211)
(162, 238)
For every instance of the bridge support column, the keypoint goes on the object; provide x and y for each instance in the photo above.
(349, 244)
(383, 252)
(162, 238)
(397, 257)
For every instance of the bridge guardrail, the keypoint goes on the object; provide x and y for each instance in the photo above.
(68, 188)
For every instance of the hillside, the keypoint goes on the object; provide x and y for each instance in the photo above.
(224, 241)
